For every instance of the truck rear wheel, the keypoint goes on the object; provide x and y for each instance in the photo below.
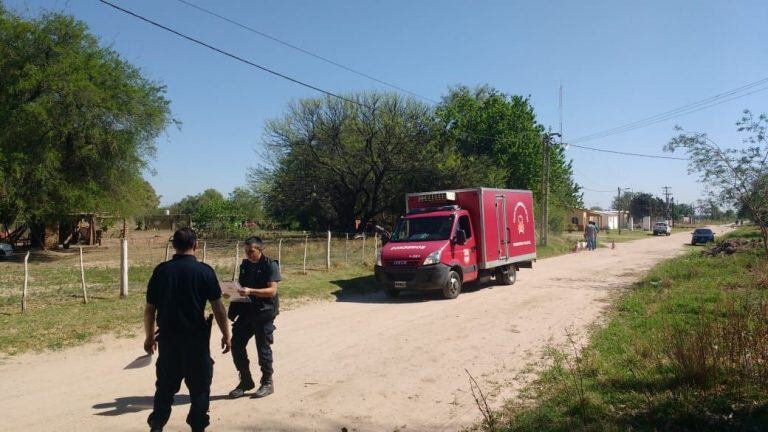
(452, 288)
(506, 275)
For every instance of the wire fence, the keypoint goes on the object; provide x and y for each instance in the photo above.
(118, 266)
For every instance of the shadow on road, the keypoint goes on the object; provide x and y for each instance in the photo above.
(133, 404)
(363, 289)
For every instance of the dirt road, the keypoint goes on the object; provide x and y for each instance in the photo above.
(366, 364)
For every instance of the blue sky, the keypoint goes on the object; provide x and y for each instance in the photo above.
(617, 61)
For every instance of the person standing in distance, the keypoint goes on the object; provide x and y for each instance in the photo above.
(176, 296)
(258, 280)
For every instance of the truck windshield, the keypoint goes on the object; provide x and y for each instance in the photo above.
(423, 229)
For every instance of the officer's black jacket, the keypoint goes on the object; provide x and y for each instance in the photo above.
(259, 275)
(179, 289)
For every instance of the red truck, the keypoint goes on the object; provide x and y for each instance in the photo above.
(448, 238)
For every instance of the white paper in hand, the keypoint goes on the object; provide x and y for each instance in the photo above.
(229, 291)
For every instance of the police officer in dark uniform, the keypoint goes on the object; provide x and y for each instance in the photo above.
(259, 276)
(176, 294)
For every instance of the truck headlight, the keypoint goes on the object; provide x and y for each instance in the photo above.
(433, 258)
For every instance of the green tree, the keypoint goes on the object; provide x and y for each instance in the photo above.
(334, 161)
(77, 122)
(734, 176)
(497, 142)
(247, 204)
(191, 204)
(623, 202)
(681, 210)
(645, 204)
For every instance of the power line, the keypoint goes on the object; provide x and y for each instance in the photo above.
(228, 54)
(307, 52)
(310, 86)
(709, 102)
(627, 153)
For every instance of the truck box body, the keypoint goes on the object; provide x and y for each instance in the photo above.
(498, 225)
(503, 217)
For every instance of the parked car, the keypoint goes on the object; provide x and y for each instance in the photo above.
(702, 235)
(448, 238)
(661, 228)
(6, 250)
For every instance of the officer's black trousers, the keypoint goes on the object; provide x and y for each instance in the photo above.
(243, 330)
(188, 358)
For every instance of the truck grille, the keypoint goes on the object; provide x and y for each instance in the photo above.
(401, 263)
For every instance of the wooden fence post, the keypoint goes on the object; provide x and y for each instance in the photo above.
(82, 277)
(123, 268)
(346, 250)
(328, 252)
(306, 239)
(280, 252)
(167, 250)
(205, 251)
(375, 246)
(362, 254)
(26, 283)
(237, 260)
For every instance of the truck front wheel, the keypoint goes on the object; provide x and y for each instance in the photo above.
(506, 275)
(452, 288)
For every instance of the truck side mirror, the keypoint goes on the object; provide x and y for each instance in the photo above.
(461, 237)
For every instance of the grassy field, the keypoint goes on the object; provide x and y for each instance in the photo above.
(685, 349)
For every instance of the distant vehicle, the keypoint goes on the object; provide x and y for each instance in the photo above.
(661, 228)
(6, 250)
(702, 235)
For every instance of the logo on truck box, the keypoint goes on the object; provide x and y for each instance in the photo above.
(521, 217)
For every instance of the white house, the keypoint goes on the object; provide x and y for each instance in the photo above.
(611, 218)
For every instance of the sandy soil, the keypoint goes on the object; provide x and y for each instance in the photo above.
(367, 364)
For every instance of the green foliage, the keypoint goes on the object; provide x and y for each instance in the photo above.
(335, 161)
(77, 122)
(190, 204)
(623, 202)
(680, 210)
(247, 204)
(216, 216)
(735, 176)
(499, 144)
(644, 204)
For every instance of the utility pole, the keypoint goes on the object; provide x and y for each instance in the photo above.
(618, 206)
(618, 201)
(667, 194)
(546, 146)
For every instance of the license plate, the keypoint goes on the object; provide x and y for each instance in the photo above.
(399, 284)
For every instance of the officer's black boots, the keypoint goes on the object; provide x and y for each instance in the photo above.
(267, 388)
(246, 383)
